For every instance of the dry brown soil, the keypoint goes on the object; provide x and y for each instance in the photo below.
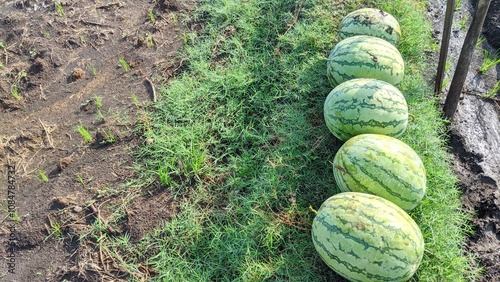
(61, 66)
(64, 65)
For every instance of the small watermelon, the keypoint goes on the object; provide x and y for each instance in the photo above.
(381, 165)
(372, 22)
(364, 56)
(365, 105)
(363, 237)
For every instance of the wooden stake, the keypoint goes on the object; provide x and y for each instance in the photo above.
(451, 103)
(445, 43)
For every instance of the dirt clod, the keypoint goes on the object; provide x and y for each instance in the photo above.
(77, 74)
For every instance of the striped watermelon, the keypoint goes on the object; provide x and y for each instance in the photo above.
(363, 237)
(364, 56)
(365, 105)
(383, 166)
(372, 22)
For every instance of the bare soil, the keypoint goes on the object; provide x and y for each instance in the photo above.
(64, 64)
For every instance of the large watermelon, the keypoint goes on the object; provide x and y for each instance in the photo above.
(364, 237)
(364, 56)
(372, 22)
(381, 165)
(365, 105)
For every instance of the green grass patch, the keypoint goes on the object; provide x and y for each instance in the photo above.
(493, 91)
(490, 60)
(240, 143)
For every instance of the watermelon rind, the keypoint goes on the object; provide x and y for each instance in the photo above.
(365, 105)
(364, 237)
(381, 165)
(364, 56)
(372, 22)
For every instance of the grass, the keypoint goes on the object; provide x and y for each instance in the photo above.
(494, 91)
(490, 60)
(92, 69)
(240, 144)
(59, 9)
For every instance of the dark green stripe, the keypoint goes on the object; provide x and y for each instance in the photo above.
(370, 123)
(367, 206)
(376, 178)
(353, 104)
(353, 268)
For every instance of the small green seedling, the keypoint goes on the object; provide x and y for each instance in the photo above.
(98, 101)
(85, 133)
(151, 16)
(15, 92)
(124, 64)
(55, 231)
(92, 70)
(59, 9)
(43, 176)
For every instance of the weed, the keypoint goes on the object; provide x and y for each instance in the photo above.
(135, 100)
(109, 137)
(15, 216)
(85, 133)
(15, 91)
(494, 91)
(175, 19)
(124, 64)
(42, 175)
(92, 69)
(108, 192)
(98, 101)
(55, 231)
(464, 21)
(458, 5)
(149, 41)
(151, 15)
(490, 60)
(446, 82)
(80, 179)
(2, 45)
(46, 34)
(59, 9)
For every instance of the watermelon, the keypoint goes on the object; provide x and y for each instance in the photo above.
(372, 22)
(365, 105)
(364, 56)
(363, 237)
(381, 165)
